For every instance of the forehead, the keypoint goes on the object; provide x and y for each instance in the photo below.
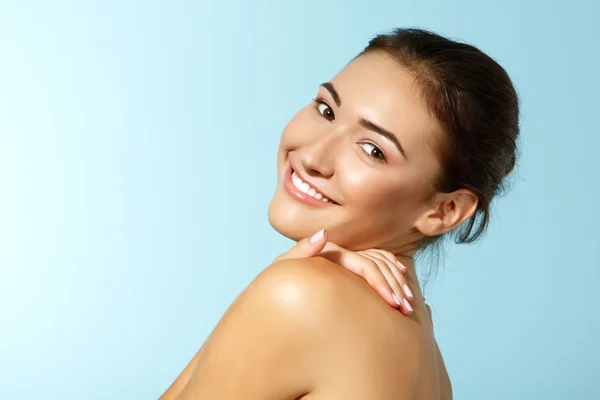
(378, 88)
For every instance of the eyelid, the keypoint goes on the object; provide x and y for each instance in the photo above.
(321, 100)
(318, 101)
(384, 160)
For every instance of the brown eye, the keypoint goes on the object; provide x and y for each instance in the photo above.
(326, 111)
(373, 151)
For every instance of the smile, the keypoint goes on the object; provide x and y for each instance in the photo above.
(303, 192)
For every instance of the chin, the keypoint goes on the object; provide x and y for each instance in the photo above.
(295, 221)
(291, 234)
(286, 223)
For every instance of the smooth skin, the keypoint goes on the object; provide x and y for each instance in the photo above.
(307, 248)
(354, 261)
(307, 327)
(313, 330)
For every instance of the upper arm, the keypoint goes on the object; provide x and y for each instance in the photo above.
(264, 345)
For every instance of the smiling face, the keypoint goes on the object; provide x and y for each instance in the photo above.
(360, 160)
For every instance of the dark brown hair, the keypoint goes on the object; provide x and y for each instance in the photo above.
(477, 107)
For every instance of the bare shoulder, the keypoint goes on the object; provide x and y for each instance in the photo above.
(309, 326)
(316, 288)
(327, 286)
(272, 339)
(302, 282)
(363, 342)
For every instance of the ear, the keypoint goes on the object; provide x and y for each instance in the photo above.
(448, 211)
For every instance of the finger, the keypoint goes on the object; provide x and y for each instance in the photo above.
(387, 269)
(406, 307)
(361, 266)
(306, 247)
(394, 267)
(407, 297)
(352, 261)
(402, 281)
(391, 257)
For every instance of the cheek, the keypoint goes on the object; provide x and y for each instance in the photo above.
(296, 131)
(376, 190)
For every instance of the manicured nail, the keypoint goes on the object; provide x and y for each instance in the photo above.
(317, 236)
(402, 267)
(407, 305)
(396, 299)
(407, 291)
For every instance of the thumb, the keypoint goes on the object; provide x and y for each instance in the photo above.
(306, 247)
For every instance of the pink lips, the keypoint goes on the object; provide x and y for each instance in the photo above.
(299, 195)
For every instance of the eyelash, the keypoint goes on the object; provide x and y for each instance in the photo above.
(318, 101)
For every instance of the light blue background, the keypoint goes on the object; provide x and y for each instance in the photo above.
(137, 160)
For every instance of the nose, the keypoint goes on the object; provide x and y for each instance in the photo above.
(318, 158)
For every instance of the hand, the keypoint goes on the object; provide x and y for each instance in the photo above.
(379, 268)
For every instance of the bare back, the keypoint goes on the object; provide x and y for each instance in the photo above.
(382, 354)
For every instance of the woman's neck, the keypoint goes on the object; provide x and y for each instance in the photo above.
(405, 251)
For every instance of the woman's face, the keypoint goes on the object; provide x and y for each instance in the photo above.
(366, 144)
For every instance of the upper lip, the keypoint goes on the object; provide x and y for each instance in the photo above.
(309, 183)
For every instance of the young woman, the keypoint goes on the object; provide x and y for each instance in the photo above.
(408, 142)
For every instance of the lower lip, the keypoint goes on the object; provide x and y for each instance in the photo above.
(299, 195)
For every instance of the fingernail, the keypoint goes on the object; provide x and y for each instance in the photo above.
(407, 290)
(317, 236)
(402, 267)
(407, 305)
(396, 299)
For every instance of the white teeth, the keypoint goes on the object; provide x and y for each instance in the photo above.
(305, 188)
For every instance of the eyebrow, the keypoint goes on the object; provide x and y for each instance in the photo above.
(366, 123)
(333, 92)
(383, 132)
